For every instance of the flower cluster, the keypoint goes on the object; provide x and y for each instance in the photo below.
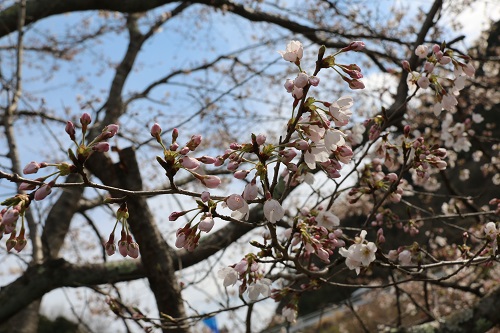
(176, 158)
(126, 245)
(316, 232)
(360, 254)
(440, 56)
(16, 207)
(249, 273)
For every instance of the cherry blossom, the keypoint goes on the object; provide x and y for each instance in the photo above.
(229, 275)
(273, 211)
(421, 51)
(290, 314)
(327, 219)
(207, 223)
(294, 51)
(361, 253)
(259, 287)
(405, 257)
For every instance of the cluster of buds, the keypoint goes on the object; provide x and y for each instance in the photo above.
(353, 71)
(316, 232)
(375, 181)
(296, 87)
(16, 207)
(427, 156)
(98, 144)
(248, 272)
(126, 245)
(176, 158)
(440, 56)
(82, 153)
(387, 218)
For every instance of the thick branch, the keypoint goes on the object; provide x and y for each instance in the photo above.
(480, 318)
(42, 278)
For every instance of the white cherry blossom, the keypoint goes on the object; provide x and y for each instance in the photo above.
(273, 211)
(229, 275)
(294, 51)
(260, 287)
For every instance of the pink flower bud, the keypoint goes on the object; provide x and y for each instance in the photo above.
(354, 46)
(219, 161)
(445, 60)
(133, 250)
(233, 165)
(436, 48)
(314, 81)
(210, 181)
(301, 80)
(288, 155)
(194, 142)
(298, 93)
(109, 131)
(155, 130)
(242, 266)
(101, 147)
(175, 134)
(235, 202)
(260, 139)
(206, 224)
(241, 174)
(70, 129)
(174, 146)
(441, 165)
(251, 191)
(20, 243)
(42, 192)
(122, 247)
(175, 215)
(423, 82)
(323, 255)
(189, 163)
(110, 247)
(428, 67)
(26, 187)
(391, 177)
(85, 119)
(205, 196)
(407, 130)
(289, 85)
(301, 144)
(207, 159)
(234, 146)
(180, 241)
(354, 83)
(31, 167)
(184, 150)
(406, 65)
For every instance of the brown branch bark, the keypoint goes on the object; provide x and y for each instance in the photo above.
(480, 318)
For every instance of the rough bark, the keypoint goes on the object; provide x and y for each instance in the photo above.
(478, 319)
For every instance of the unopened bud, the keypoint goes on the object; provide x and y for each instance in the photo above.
(407, 130)
(70, 129)
(406, 65)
